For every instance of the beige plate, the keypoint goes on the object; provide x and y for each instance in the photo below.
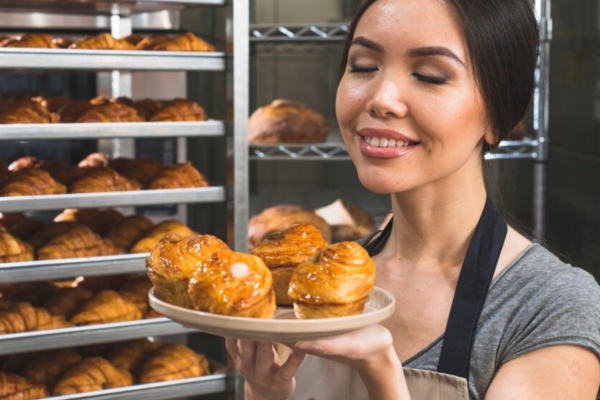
(283, 327)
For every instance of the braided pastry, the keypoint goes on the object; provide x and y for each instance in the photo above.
(34, 40)
(147, 243)
(90, 374)
(103, 180)
(79, 241)
(184, 42)
(14, 250)
(106, 307)
(178, 176)
(32, 182)
(110, 112)
(173, 361)
(180, 110)
(29, 113)
(102, 41)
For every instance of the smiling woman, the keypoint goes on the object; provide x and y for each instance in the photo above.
(481, 312)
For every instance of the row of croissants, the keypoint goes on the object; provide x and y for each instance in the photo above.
(39, 110)
(293, 267)
(78, 233)
(105, 41)
(50, 305)
(79, 370)
(30, 176)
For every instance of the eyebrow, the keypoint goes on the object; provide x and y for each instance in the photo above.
(369, 44)
(433, 51)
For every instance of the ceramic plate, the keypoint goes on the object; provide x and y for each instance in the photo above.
(284, 326)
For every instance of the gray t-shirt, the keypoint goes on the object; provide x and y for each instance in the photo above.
(537, 301)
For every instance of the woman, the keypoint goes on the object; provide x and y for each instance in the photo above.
(426, 86)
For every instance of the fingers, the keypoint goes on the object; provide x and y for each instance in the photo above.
(288, 370)
(232, 347)
(265, 357)
(246, 355)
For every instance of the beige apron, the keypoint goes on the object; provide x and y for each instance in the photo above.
(320, 379)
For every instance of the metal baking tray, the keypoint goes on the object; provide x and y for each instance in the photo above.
(105, 60)
(32, 271)
(86, 335)
(213, 194)
(209, 128)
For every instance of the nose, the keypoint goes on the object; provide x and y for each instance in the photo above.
(387, 101)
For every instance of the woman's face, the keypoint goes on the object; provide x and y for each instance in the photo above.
(408, 105)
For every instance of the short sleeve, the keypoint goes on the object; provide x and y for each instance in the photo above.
(563, 310)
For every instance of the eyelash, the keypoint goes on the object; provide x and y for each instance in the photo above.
(423, 78)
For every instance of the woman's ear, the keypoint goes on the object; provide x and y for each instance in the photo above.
(490, 138)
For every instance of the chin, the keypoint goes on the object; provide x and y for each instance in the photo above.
(378, 184)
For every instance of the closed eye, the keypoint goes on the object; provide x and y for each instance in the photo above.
(433, 80)
(359, 69)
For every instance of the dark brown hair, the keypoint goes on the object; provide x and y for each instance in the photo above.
(503, 41)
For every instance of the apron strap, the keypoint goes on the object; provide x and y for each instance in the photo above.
(474, 281)
(374, 246)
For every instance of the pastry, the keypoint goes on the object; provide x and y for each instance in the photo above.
(43, 236)
(34, 40)
(174, 261)
(136, 291)
(14, 387)
(285, 121)
(23, 317)
(147, 243)
(134, 38)
(235, 284)
(178, 176)
(33, 293)
(147, 108)
(78, 215)
(278, 218)
(105, 307)
(180, 110)
(103, 180)
(149, 42)
(66, 301)
(347, 222)
(283, 251)
(23, 162)
(90, 374)
(13, 249)
(32, 182)
(336, 284)
(173, 361)
(27, 229)
(104, 220)
(184, 42)
(142, 171)
(47, 368)
(95, 160)
(111, 112)
(79, 241)
(102, 41)
(73, 110)
(131, 354)
(129, 230)
(29, 113)
(8, 220)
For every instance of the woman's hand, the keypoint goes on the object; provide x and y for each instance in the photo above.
(266, 377)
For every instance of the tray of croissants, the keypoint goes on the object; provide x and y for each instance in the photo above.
(70, 371)
(292, 286)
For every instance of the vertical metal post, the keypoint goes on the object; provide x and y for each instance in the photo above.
(541, 119)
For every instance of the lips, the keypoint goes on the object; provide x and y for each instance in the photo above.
(385, 143)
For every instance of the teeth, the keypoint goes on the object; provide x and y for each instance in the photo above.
(391, 143)
(384, 142)
(375, 142)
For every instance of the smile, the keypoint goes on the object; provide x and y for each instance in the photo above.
(384, 142)
(383, 148)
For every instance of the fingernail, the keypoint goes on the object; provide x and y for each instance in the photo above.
(304, 345)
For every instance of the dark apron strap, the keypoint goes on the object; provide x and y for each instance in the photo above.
(474, 281)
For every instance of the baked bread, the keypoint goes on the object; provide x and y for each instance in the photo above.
(336, 284)
(13, 249)
(283, 251)
(147, 243)
(178, 176)
(50, 231)
(47, 367)
(142, 171)
(28, 113)
(110, 112)
(180, 110)
(90, 374)
(184, 42)
(23, 317)
(27, 229)
(173, 361)
(79, 241)
(102, 41)
(235, 284)
(32, 182)
(95, 160)
(34, 293)
(134, 38)
(33, 40)
(147, 108)
(104, 220)
(66, 301)
(174, 261)
(347, 223)
(73, 110)
(129, 231)
(136, 291)
(103, 180)
(278, 218)
(106, 307)
(286, 121)
(9, 220)
(131, 354)
(15, 387)
(149, 42)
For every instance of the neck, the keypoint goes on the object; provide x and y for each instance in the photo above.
(435, 224)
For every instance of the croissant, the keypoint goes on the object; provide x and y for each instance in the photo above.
(178, 176)
(106, 307)
(101, 100)
(55, 104)
(32, 182)
(173, 361)
(23, 317)
(66, 301)
(90, 374)
(103, 180)
(134, 38)
(34, 40)
(79, 241)
(130, 355)
(184, 42)
(8, 220)
(46, 369)
(33, 293)
(173, 262)
(129, 231)
(104, 220)
(110, 112)
(142, 171)
(149, 42)
(14, 250)
(136, 291)
(43, 236)
(29, 113)
(27, 229)
(78, 215)
(102, 41)
(14, 387)
(23, 162)
(180, 110)
(283, 251)
(68, 175)
(235, 284)
(147, 108)
(73, 110)
(95, 160)
(335, 285)
(147, 243)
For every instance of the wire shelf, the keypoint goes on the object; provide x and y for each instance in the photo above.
(298, 33)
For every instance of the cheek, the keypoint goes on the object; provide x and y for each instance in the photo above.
(349, 102)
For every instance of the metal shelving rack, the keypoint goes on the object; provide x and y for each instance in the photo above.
(121, 64)
(530, 148)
